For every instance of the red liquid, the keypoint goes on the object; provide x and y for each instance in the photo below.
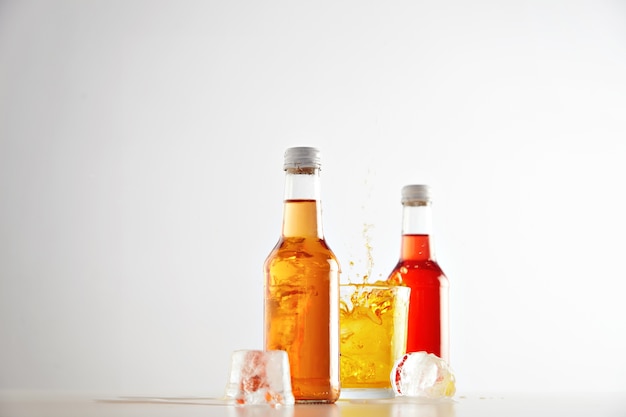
(428, 306)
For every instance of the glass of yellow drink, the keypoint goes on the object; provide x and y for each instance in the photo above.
(373, 322)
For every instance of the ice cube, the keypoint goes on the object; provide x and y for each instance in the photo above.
(421, 374)
(260, 377)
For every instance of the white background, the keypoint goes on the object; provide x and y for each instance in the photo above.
(141, 181)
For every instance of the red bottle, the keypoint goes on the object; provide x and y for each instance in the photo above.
(428, 328)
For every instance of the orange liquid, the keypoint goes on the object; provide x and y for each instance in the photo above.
(428, 307)
(302, 304)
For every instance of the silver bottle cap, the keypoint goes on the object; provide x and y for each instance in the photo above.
(415, 192)
(302, 157)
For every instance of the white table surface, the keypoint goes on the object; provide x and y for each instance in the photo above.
(462, 405)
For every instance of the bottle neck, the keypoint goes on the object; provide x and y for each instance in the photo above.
(302, 216)
(416, 218)
(416, 231)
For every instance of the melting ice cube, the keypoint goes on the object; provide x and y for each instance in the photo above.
(260, 377)
(421, 374)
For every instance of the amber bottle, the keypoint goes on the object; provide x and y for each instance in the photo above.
(302, 286)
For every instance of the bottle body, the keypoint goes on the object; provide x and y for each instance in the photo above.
(428, 306)
(302, 293)
(417, 268)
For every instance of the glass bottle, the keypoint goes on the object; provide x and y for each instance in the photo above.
(302, 286)
(417, 268)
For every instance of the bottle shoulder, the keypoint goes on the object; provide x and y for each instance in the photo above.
(425, 264)
(291, 242)
(302, 248)
(418, 272)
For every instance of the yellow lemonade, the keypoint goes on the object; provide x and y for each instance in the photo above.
(373, 322)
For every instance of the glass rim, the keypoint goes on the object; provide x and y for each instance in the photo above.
(363, 285)
(397, 289)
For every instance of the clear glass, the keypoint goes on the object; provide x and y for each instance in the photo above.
(373, 321)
